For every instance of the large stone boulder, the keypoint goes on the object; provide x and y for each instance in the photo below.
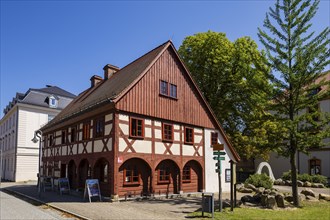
(300, 183)
(318, 185)
(311, 198)
(257, 198)
(308, 192)
(247, 198)
(250, 186)
(260, 190)
(245, 190)
(288, 182)
(307, 184)
(325, 197)
(278, 181)
(271, 202)
(280, 200)
(288, 198)
(264, 199)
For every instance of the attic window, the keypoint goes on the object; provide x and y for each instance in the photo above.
(168, 89)
(52, 101)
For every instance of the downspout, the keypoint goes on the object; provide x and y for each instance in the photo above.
(16, 144)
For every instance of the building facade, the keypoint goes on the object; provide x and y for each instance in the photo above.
(141, 129)
(22, 116)
(317, 161)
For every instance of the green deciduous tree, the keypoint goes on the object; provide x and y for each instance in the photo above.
(297, 58)
(230, 76)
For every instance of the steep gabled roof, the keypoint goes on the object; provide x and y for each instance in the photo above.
(113, 89)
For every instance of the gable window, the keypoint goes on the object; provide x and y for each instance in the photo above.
(168, 89)
(173, 91)
(86, 130)
(167, 132)
(164, 174)
(186, 174)
(136, 128)
(131, 175)
(99, 127)
(314, 166)
(214, 138)
(52, 101)
(73, 136)
(188, 135)
(63, 137)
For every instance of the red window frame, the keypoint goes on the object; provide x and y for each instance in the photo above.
(131, 175)
(186, 174)
(99, 127)
(188, 135)
(167, 132)
(214, 138)
(136, 129)
(168, 89)
(86, 130)
(164, 175)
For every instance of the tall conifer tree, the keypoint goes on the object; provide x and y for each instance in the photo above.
(297, 58)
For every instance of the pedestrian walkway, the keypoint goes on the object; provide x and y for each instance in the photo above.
(161, 208)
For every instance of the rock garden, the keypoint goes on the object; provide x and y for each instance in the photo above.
(263, 195)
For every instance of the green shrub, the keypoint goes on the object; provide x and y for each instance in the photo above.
(319, 179)
(286, 175)
(260, 180)
(306, 177)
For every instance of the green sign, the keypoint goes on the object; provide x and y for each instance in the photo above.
(219, 153)
(218, 158)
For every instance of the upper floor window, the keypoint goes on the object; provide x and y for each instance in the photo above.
(136, 127)
(86, 130)
(63, 137)
(167, 132)
(99, 127)
(214, 138)
(168, 89)
(50, 139)
(73, 134)
(188, 135)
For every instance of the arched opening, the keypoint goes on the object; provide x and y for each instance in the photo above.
(101, 171)
(135, 177)
(168, 177)
(83, 172)
(72, 173)
(192, 177)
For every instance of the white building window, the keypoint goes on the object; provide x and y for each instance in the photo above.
(52, 102)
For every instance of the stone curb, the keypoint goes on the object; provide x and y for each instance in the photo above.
(43, 203)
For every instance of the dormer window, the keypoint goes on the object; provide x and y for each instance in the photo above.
(52, 101)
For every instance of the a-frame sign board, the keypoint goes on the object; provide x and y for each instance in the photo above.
(92, 188)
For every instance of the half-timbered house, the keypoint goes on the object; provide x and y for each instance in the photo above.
(145, 128)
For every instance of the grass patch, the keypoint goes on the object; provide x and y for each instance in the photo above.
(309, 210)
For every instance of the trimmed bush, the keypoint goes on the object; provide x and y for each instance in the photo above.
(260, 180)
(319, 179)
(286, 175)
(305, 177)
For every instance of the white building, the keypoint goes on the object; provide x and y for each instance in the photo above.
(317, 161)
(22, 116)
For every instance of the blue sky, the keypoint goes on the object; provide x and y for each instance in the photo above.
(64, 43)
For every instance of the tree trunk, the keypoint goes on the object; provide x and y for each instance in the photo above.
(296, 201)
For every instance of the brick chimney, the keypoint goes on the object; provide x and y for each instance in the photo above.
(109, 70)
(95, 80)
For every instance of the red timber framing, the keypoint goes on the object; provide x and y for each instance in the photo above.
(132, 154)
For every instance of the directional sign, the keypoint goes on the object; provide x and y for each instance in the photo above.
(218, 158)
(218, 147)
(219, 153)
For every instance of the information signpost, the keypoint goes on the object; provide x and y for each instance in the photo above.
(219, 156)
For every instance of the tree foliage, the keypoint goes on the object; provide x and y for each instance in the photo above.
(297, 58)
(230, 76)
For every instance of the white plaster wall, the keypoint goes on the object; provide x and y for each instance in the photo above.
(108, 117)
(188, 150)
(324, 156)
(175, 149)
(159, 148)
(147, 132)
(211, 177)
(107, 129)
(98, 145)
(278, 164)
(122, 144)
(141, 146)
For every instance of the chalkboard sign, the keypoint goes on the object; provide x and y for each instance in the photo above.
(47, 183)
(92, 188)
(64, 185)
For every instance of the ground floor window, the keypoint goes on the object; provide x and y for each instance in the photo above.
(131, 175)
(164, 175)
(314, 166)
(186, 175)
